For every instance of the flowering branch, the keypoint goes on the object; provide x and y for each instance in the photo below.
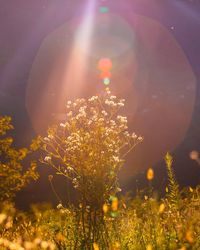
(90, 146)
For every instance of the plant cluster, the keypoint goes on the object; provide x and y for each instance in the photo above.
(13, 174)
(142, 223)
(89, 148)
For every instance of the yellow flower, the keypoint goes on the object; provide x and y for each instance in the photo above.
(105, 208)
(60, 237)
(189, 236)
(150, 174)
(149, 247)
(23, 153)
(161, 208)
(191, 189)
(95, 246)
(116, 246)
(28, 245)
(2, 218)
(114, 205)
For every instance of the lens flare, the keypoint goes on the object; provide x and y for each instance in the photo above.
(105, 64)
(104, 9)
(105, 74)
(106, 81)
(148, 68)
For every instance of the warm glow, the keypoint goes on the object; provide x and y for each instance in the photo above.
(150, 174)
(105, 74)
(105, 64)
(78, 60)
(106, 81)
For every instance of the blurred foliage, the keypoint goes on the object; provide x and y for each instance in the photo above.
(131, 224)
(13, 174)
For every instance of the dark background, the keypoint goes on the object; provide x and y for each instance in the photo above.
(19, 19)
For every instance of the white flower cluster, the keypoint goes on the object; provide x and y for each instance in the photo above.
(112, 101)
(122, 119)
(82, 112)
(93, 98)
(95, 139)
(104, 112)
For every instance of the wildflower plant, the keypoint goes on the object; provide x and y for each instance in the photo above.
(13, 175)
(89, 148)
(173, 186)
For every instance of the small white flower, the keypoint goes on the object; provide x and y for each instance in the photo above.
(50, 136)
(116, 158)
(60, 206)
(93, 98)
(107, 102)
(110, 103)
(62, 125)
(134, 136)
(113, 97)
(122, 119)
(140, 138)
(108, 91)
(126, 133)
(104, 113)
(82, 109)
(46, 139)
(112, 123)
(47, 158)
(101, 119)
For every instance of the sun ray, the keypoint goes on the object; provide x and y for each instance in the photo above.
(78, 60)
